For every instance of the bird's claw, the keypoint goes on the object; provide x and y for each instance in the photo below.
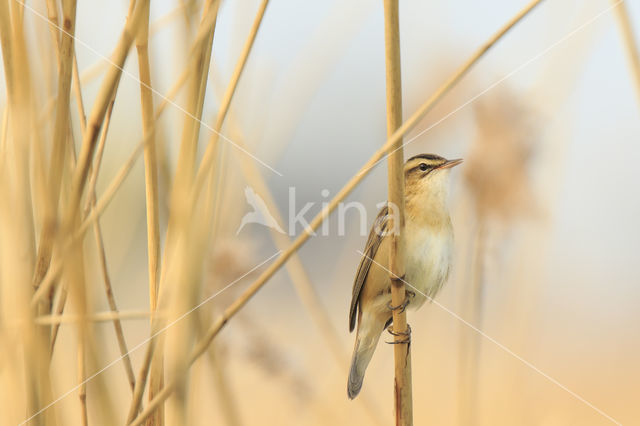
(404, 304)
(407, 335)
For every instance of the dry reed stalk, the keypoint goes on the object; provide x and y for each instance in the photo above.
(77, 92)
(63, 40)
(62, 50)
(3, 138)
(106, 316)
(54, 26)
(7, 49)
(18, 231)
(56, 34)
(62, 289)
(150, 161)
(56, 166)
(626, 30)
(199, 70)
(254, 287)
(403, 401)
(59, 310)
(39, 158)
(82, 373)
(151, 195)
(93, 178)
(217, 186)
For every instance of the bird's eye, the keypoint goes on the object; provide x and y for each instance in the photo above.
(423, 167)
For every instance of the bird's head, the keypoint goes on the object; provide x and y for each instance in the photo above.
(426, 185)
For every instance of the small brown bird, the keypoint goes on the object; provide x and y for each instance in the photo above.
(428, 243)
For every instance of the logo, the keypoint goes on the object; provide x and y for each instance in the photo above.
(260, 213)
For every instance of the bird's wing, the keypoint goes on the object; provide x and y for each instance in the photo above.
(375, 238)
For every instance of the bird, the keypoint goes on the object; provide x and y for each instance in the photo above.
(428, 247)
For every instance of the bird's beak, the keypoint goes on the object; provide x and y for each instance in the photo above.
(450, 163)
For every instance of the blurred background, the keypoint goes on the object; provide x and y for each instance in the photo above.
(538, 324)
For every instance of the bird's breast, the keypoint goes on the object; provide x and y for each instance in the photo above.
(428, 257)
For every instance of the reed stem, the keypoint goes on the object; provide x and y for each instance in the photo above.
(56, 166)
(403, 396)
(151, 192)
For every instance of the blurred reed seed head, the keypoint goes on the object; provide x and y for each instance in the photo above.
(279, 362)
(497, 170)
(229, 259)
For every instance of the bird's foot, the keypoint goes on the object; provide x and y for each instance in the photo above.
(407, 298)
(406, 334)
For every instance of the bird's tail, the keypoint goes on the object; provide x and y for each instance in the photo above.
(362, 352)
